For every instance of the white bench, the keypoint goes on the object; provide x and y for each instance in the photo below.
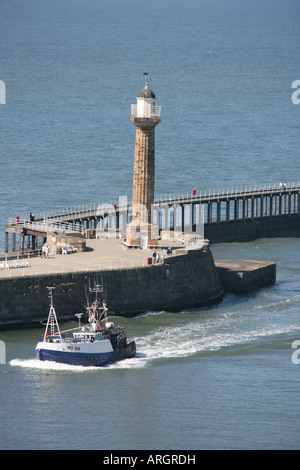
(66, 250)
(22, 263)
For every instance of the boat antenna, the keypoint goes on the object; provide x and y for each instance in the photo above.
(52, 318)
(50, 289)
(93, 312)
(97, 288)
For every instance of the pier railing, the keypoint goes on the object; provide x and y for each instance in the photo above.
(50, 225)
(181, 212)
(92, 209)
(227, 192)
(58, 216)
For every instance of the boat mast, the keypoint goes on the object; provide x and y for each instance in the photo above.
(96, 290)
(52, 318)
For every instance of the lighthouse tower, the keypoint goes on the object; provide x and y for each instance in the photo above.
(145, 115)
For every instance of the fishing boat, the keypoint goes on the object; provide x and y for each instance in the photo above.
(97, 343)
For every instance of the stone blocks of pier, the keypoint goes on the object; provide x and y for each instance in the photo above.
(137, 231)
(57, 241)
(143, 181)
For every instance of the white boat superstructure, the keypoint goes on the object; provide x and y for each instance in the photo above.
(91, 344)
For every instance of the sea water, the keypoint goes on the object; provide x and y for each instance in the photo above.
(223, 377)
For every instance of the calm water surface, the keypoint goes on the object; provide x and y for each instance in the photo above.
(221, 377)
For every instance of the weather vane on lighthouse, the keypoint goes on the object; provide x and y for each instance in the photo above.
(146, 77)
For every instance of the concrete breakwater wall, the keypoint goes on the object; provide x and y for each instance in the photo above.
(188, 279)
(244, 230)
(240, 276)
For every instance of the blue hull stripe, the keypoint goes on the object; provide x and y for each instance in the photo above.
(84, 359)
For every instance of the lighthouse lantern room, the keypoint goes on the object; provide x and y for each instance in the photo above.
(146, 107)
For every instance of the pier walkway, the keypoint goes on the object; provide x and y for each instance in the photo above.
(99, 255)
(218, 215)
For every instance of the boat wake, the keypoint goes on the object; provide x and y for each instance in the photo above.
(47, 365)
(198, 336)
(280, 304)
(203, 338)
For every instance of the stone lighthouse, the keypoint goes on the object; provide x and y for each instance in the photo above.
(145, 115)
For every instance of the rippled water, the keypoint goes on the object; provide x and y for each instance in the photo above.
(220, 377)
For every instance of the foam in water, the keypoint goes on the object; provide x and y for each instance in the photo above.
(46, 365)
(179, 341)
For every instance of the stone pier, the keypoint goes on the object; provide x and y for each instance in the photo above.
(181, 280)
(243, 275)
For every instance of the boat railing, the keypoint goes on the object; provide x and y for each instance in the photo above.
(85, 337)
(81, 338)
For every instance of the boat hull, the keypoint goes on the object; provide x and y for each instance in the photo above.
(87, 358)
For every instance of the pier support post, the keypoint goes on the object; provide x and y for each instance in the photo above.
(236, 208)
(6, 242)
(209, 213)
(261, 206)
(280, 205)
(218, 211)
(271, 205)
(227, 210)
(252, 208)
(33, 242)
(182, 218)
